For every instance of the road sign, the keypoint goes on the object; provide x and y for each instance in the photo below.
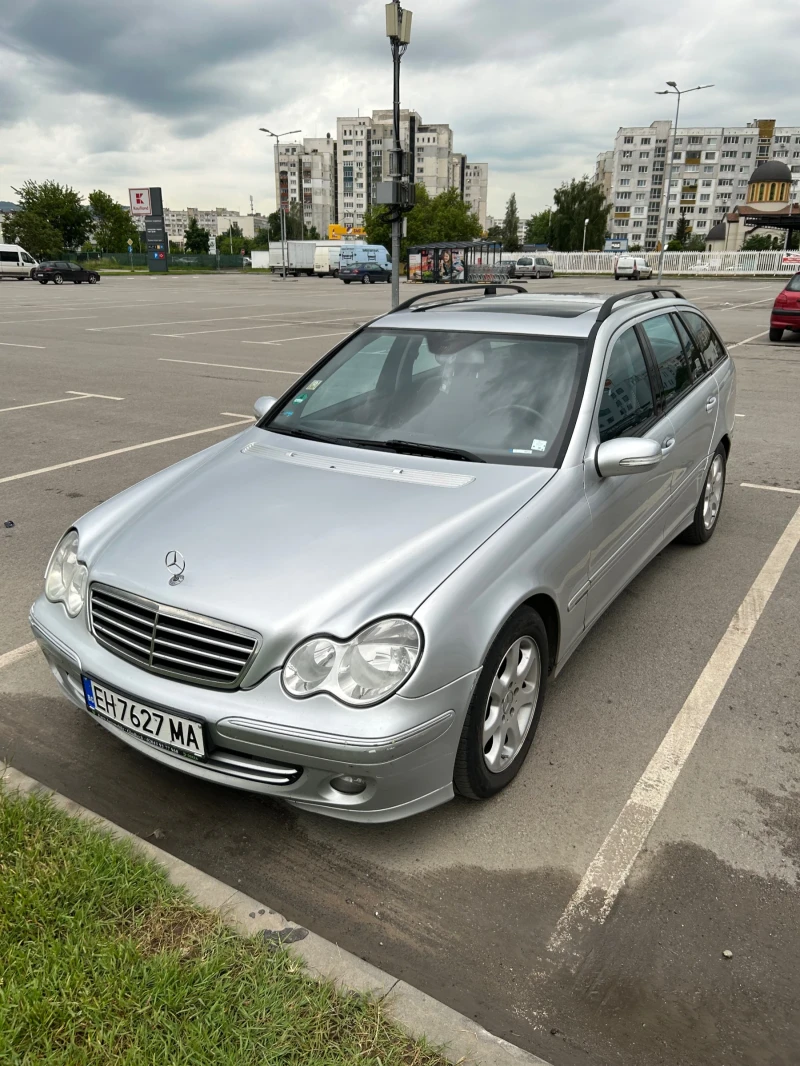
(140, 201)
(130, 243)
(212, 245)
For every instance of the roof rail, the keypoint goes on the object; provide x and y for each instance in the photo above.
(455, 291)
(618, 297)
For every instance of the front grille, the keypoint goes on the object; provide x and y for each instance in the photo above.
(168, 641)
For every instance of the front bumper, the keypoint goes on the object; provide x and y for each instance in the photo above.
(403, 748)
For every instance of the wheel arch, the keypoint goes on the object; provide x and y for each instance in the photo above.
(547, 608)
(726, 444)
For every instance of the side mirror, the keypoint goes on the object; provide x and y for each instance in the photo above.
(627, 455)
(262, 405)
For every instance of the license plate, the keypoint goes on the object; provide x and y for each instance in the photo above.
(172, 732)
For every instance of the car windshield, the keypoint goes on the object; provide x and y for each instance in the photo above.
(488, 397)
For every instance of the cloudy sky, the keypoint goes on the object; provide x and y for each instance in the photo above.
(117, 93)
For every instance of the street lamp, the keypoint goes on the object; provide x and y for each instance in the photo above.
(672, 91)
(398, 30)
(585, 224)
(277, 137)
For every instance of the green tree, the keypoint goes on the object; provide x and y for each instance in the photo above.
(232, 240)
(49, 214)
(696, 243)
(572, 203)
(261, 240)
(440, 218)
(197, 238)
(761, 242)
(495, 233)
(683, 231)
(113, 225)
(511, 226)
(537, 228)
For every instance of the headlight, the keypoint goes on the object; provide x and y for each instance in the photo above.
(65, 579)
(361, 671)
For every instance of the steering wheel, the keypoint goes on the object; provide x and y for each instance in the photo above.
(528, 410)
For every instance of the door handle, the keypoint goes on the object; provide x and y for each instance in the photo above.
(711, 403)
(667, 445)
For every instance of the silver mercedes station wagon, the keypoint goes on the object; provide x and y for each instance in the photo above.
(357, 603)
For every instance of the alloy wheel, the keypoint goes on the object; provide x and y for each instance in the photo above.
(511, 704)
(712, 495)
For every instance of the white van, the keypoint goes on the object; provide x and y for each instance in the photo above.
(15, 262)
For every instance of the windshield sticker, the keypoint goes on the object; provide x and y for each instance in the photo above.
(314, 385)
(522, 451)
(301, 398)
(287, 413)
(539, 445)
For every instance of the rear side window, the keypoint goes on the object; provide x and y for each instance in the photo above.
(690, 347)
(9, 257)
(627, 403)
(794, 284)
(668, 352)
(711, 347)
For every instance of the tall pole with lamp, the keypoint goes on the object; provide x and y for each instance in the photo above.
(585, 224)
(673, 90)
(398, 30)
(277, 137)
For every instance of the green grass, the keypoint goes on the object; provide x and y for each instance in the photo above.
(102, 961)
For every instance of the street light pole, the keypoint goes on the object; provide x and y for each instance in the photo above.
(398, 30)
(281, 211)
(672, 91)
(585, 224)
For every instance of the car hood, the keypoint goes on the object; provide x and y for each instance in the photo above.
(293, 537)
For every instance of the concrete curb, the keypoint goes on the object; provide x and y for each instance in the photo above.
(463, 1040)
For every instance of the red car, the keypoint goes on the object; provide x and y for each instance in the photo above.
(786, 310)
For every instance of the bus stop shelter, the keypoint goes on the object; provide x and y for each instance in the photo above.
(443, 262)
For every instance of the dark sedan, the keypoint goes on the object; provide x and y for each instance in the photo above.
(366, 273)
(60, 271)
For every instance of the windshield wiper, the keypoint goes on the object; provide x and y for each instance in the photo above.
(401, 447)
(413, 447)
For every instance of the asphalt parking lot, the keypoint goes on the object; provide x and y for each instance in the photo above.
(483, 906)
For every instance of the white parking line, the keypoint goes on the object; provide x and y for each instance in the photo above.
(119, 451)
(747, 341)
(608, 871)
(231, 366)
(234, 414)
(229, 329)
(8, 344)
(750, 303)
(10, 657)
(200, 321)
(769, 488)
(310, 337)
(43, 321)
(64, 399)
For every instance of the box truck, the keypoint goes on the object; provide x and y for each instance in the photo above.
(299, 255)
(327, 256)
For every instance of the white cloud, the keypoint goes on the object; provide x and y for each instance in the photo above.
(173, 94)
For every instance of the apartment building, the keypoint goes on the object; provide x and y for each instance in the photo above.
(472, 181)
(711, 171)
(365, 143)
(217, 221)
(306, 173)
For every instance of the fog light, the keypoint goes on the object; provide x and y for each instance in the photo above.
(350, 786)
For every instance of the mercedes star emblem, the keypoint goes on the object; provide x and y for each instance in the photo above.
(176, 564)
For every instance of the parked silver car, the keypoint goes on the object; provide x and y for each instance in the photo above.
(357, 604)
(533, 266)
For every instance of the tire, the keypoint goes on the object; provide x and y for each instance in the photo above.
(345, 281)
(366, 280)
(22, 279)
(635, 276)
(389, 280)
(616, 277)
(775, 334)
(709, 505)
(42, 281)
(77, 283)
(58, 279)
(536, 276)
(93, 280)
(524, 633)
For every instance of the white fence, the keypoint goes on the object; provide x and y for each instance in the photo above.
(701, 263)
